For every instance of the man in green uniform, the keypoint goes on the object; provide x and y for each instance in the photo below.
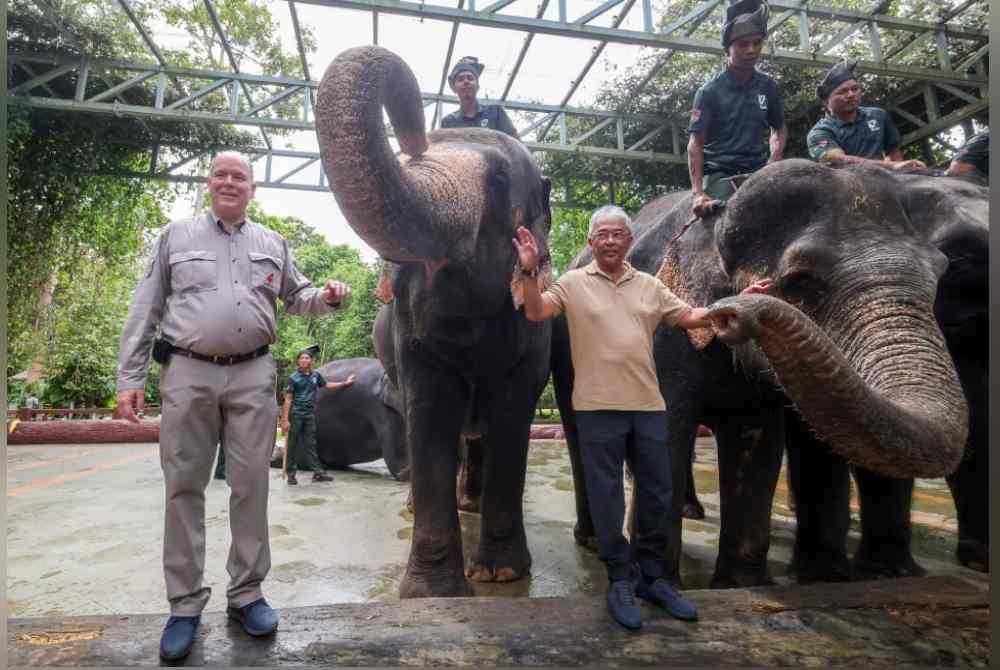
(850, 133)
(464, 81)
(300, 428)
(973, 157)
(732, 110)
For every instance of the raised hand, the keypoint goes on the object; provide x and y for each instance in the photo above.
(527, 248)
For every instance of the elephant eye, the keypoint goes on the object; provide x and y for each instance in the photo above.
(802, 288)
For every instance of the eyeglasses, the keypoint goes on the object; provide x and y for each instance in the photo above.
(605, 235)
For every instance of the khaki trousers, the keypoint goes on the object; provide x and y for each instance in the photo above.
(201, 404)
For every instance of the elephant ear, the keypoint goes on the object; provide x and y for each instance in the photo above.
(691, 269)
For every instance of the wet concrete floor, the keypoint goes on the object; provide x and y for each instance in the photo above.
(84, 533)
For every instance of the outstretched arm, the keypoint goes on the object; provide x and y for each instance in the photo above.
(333, 386)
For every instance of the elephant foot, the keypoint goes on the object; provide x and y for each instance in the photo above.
(584, 538)
(693, 510)
(434, 586)
(819, 567)
(498, 562)
(973, 554)
(742, 576)
(468, 503)
(886, 564)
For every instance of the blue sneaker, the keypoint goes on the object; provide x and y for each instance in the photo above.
(660, 592)
(257, 618)
(178, 637)
(622, 605)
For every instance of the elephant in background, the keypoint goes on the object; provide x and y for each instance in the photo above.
(464, 357)
(842, 325)
(361, 422)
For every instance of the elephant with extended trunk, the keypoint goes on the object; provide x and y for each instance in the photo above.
(466, 360)
(840, 325)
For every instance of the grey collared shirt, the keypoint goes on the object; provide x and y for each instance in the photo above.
(212, 292)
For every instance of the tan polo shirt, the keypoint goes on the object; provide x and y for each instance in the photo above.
(611, 328)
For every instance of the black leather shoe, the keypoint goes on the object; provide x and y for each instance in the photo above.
(257, 618)
(292, 481)
(660, 592)
(622, 605)
(178, 637)
(322, 477)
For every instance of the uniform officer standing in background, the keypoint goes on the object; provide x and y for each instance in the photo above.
(464, 81)
(732, 110)
(210, 287)
(850, 133)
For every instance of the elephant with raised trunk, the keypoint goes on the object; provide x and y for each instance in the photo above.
(838, 322)
(444, 212)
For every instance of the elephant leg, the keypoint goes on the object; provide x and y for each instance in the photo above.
(692, 506)
(502, 554)
(970, 484)
(562, 383)
(820, 483)
(749, 465)
(682, 429)
(470, 475)
(885, 527)
(434, 403)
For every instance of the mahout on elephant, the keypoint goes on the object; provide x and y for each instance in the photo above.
(443, 212)
(827, 284)
(361, 422)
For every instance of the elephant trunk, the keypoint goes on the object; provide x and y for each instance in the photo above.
(897, 408)
(391, 207)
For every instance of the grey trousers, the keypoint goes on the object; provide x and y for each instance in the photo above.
(201, 404)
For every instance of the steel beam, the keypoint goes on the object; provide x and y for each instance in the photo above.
(524, 51)
(641, 38)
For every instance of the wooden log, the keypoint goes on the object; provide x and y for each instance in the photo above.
(83, 431)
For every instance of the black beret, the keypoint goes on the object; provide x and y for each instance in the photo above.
(837, 75)
(312, 350)
(466, 64)
(744, 17)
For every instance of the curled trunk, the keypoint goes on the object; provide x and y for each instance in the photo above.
(390, 205)
(904, 416)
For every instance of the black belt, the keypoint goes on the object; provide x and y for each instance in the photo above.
(222, 360)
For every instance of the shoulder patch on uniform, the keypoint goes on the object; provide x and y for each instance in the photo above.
(695, 115)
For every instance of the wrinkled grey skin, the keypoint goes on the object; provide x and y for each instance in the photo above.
(444, 211)
(847, 333)
(361, 422)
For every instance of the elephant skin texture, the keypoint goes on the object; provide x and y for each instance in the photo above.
(466, 361)
(361, 422)
(859, 354)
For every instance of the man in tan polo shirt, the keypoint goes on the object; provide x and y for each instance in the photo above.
(612, 311)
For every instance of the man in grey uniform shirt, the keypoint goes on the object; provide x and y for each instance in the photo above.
(211, 287)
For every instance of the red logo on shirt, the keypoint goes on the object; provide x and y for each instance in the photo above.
(269, 279)
(695, 115)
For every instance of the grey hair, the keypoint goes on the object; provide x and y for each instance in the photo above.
(231, 154)
(608, 212)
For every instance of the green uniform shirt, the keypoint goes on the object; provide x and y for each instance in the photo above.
(487, 116)
(871, 135)
(303, 389)
(976, 152)
(734, 117)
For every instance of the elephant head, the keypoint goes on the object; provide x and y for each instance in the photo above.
(449, 201)
(846, 319)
